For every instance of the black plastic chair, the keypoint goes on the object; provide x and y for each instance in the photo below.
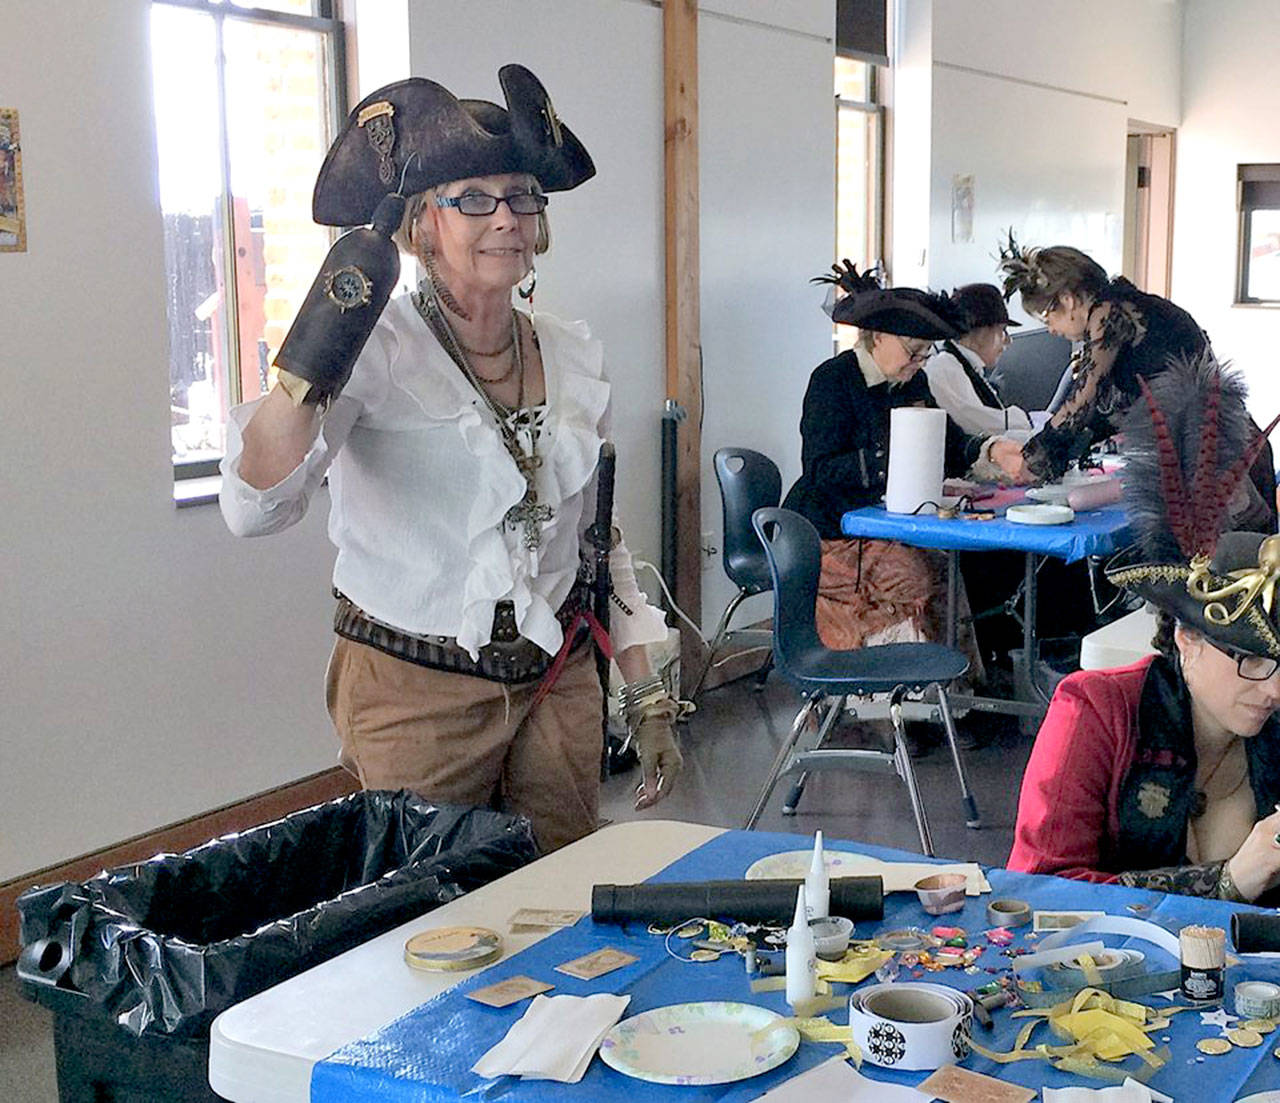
(748, 481)
(827, 676)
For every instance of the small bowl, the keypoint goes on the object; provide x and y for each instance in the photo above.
(941, 893)
(831, 936)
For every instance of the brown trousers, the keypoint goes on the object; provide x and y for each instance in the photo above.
(458, 739)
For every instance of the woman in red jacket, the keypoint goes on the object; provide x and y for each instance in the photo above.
(1166, 774)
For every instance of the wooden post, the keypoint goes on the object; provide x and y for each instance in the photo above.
(683, 342)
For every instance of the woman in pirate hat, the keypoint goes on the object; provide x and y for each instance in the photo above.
(1166, 774)
(460, 437)
(874, 590)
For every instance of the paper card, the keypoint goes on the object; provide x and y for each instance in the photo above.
(953, 1084)
(509, 991)
(543, 919)
(837, 1079)
(1060, 921)
(596, 964)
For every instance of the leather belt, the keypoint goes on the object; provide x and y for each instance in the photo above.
(508, 657)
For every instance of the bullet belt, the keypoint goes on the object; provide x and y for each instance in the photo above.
(508, 657)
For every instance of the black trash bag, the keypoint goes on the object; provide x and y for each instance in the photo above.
(163, 946)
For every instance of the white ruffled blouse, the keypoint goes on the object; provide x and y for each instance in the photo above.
(421, 483)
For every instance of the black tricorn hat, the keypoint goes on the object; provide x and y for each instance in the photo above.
(906, 311)
(982, 305)
(417, 131)
(1188, 446)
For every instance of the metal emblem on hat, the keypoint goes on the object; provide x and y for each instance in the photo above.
(348, 288)
(1259, 583)
(382, 136)
(551, 123)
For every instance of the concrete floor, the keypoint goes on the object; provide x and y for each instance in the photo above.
(728, 746)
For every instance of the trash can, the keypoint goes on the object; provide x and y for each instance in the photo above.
(136, 962)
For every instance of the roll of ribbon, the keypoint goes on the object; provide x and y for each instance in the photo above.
(1008, 913)
(911, 1026)
(1255, 932)
(1257, 999)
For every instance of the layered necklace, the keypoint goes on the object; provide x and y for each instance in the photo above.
(528, 514)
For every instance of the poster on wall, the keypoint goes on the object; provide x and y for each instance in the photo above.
(962, 208)
(13, 219)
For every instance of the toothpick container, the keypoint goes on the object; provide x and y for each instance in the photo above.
(1203, 952)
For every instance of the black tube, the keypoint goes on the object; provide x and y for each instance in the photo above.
(1255, 932)
(768, 901)
(670, 422)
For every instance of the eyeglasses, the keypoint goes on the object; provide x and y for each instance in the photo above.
(1049, 308)
(915, 356)
(477, 204)
(1250, 667)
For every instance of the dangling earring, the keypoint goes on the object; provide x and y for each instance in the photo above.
(526, 292)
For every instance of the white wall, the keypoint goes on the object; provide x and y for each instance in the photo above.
(151, 666)
(1230, 106)
(766, 134)
(1032, 100)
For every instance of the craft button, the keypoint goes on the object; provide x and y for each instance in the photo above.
(1214, 1046)
(1246, 1038)
(705, 955)
(1262, 1026)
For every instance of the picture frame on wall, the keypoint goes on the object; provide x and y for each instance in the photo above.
(13, 215)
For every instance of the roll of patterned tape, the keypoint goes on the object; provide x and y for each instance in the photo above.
(911, 1026)
(1008, 913)
(1257, 999)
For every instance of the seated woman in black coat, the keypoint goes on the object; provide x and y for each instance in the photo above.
(874, 591)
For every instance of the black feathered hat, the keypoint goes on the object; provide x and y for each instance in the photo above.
(981, 304)
(418, 132)
(1188, 448)
(905, 311)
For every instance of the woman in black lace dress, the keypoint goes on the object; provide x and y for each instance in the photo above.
(1125, 334)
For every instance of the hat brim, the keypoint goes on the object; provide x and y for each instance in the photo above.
(890, 310)
(1165, 586)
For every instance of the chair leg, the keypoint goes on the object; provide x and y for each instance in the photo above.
(971, 816)
(784, 752)
(722, 629)
(902, 762)
(762, 674)
(828, 722)
(793, 798)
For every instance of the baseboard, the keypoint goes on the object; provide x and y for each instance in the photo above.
(176, 837)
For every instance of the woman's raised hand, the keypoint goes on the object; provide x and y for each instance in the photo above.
(1006, 454)
(1255, 867)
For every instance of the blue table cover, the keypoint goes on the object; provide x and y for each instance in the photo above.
(427, 1054)
(1096, 532)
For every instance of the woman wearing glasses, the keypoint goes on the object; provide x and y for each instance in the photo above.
(461, 455)
(874, 591)
(1166, 774)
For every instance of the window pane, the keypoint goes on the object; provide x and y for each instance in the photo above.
(1264, 255)
(186, 105)
(855, 196)
(852, 79)
(276, 95)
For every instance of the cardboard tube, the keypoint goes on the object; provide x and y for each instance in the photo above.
(767, 901)
(1255, 932)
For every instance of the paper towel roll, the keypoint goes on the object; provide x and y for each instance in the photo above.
(917, 438)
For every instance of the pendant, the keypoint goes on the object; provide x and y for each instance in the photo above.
(530, 515)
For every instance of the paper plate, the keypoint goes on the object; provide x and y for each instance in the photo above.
(699, 1043)
(1054, 493)
(1261, 1097)
(1040, 515)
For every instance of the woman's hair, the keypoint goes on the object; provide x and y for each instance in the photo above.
(1163, 641)
(866, 338)
(407, 239)
(1044, 275)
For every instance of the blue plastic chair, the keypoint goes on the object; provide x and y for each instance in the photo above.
(825, 676)
(748, 481)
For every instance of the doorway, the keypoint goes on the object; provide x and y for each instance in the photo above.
(1148, 207)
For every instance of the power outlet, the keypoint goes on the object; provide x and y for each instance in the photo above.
(710, 553)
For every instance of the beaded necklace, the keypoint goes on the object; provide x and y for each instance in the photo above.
(528, 514)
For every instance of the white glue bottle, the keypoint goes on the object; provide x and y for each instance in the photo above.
(801, 956)
(817, 886)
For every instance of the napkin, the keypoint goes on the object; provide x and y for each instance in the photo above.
(837, 1079)
(1131, 1091)
(554, 1039)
